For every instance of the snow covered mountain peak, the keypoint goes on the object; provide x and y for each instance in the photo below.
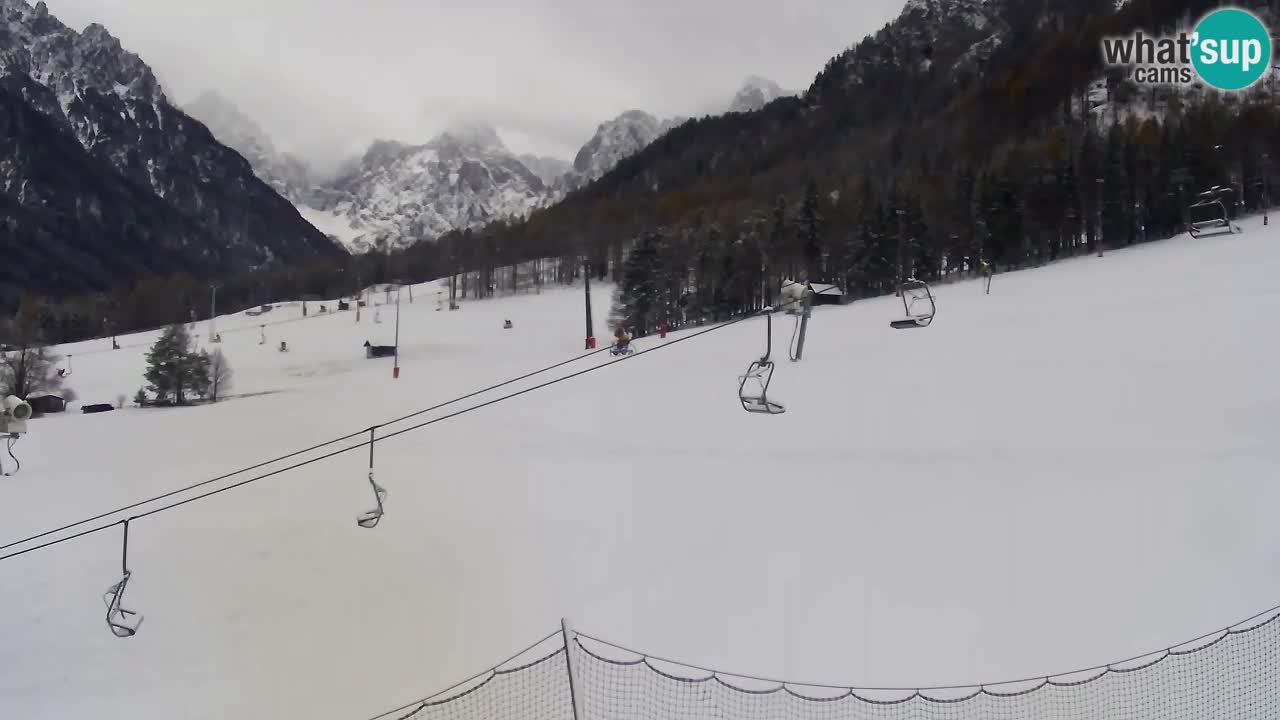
(380, 152)
(94, 31)
(615, 140)
(474, 136)
(36, 44)
(400, 194)
(755, 93)
(396, 193)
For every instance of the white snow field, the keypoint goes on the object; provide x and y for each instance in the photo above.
(1079, 468)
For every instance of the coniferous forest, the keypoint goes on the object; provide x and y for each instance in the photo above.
(922, 151)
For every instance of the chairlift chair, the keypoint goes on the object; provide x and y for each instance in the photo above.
(371, 518)
(756, 400)
(1215, 220)
(122, 622)
(918, 305)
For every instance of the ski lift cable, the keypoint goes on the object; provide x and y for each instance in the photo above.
(349, 448)
(304, 451)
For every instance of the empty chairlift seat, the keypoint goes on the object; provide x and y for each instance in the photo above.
(753, 386)
(1209, 214)
(917, 304)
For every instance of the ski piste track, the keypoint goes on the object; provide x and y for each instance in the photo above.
(1253, 643)
(373, 440)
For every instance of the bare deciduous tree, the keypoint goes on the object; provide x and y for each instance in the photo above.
(27, 370)
(25, 366)
(220, 375)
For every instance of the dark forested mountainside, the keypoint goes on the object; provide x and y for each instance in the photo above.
(966, 130)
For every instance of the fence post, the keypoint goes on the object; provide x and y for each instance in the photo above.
(567, 629)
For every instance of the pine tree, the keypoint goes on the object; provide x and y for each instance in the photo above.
(175, 371)
(811, 233)
(777, 253)
(198, 371)
(640, 304)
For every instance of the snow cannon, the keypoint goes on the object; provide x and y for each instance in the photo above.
(793, 295)
(16, 414)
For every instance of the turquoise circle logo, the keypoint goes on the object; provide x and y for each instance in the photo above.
(1232, 49)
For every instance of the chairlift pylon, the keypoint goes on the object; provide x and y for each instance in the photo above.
(918, 305)
(1215, 220)
(761, 371)
(370, 518)
(123, 623)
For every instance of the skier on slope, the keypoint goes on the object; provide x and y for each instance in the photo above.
(622, 342)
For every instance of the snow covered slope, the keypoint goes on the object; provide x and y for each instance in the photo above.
(335, 226)
(1077, 468)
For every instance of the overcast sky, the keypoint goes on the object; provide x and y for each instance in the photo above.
(326, 77)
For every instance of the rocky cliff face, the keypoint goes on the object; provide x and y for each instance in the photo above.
(104, 180)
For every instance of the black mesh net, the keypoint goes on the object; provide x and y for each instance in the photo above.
(1233, 674)
(536, 689)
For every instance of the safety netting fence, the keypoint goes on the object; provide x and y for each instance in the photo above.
(1231, 674)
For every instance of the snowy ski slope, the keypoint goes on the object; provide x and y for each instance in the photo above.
(1078, 468)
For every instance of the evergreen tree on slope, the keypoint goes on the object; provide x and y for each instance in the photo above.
(175, 371)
